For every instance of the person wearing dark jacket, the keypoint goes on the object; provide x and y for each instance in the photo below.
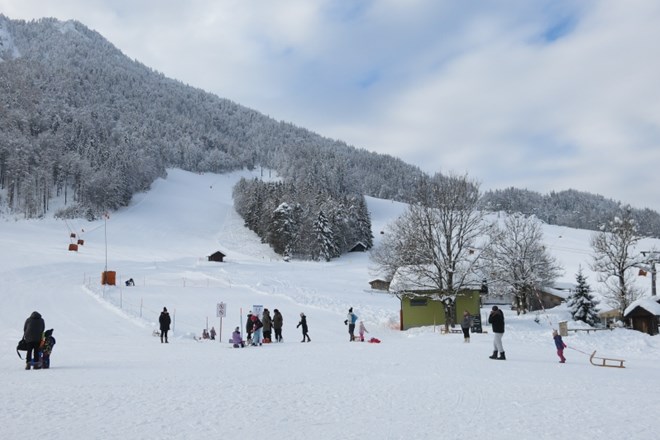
(496, 320)
(303, 323)
(164, 320)
(267, 322)
(33, 331)
(465, 326)
(278, 321)
(249, 327)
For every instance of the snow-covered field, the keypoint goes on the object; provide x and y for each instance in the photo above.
(110, 378)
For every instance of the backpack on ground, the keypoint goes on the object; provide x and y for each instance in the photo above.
(22, 346)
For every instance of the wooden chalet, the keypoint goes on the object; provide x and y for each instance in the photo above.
(644, 315)
(217, 256)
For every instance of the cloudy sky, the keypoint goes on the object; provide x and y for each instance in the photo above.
(544, 95)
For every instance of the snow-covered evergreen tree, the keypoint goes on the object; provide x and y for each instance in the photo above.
(282, 230)
(324, 248)
(581, 303)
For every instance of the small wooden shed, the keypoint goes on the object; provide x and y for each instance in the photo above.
(379, 284)
(644, 315)
(359, 247)
(217, 256)
(550, 296)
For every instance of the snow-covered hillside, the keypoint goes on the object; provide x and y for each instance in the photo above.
(111, 379)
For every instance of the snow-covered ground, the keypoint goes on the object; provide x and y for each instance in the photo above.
(112, 379)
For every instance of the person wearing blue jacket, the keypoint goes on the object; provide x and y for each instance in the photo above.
(351, 319)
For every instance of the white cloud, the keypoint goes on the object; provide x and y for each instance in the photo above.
(543, 95)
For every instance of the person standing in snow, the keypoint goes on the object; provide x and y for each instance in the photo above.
(164, 320)
(351, 318)
(496, 319)
(268, 324)
(213, 333)
(362, 330)
(559, 343)
(47, 348)
(465, 326)
(256, 330)
(303, 323)
(278, 321)
(33, 330)
(249, 326)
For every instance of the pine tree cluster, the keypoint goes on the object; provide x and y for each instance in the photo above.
(305, 220)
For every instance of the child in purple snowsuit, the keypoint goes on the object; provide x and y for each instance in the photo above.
(236, 338)
(559, 343)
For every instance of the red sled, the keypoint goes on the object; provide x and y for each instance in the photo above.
(374, 340)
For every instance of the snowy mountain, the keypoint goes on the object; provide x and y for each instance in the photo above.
(110, 378)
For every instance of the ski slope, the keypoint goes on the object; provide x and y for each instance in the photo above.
(110, 378)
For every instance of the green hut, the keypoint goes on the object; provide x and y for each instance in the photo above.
(420, 303)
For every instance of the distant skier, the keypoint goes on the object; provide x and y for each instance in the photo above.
(164, 320)
(559, 343)
(303, 323)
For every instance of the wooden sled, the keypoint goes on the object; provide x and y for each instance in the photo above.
(605, 362)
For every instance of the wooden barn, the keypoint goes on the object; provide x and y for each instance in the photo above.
(359, 247)
(549, 297)
(217, 256)
(379, 284)
(644, 315)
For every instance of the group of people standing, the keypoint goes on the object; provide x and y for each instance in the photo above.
(260, 330)
(350, 321)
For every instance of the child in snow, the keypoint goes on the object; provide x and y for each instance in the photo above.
(303, 323)
(362, 330)
(559, 343)
(236, 338)
(47, 348)
(465, 326)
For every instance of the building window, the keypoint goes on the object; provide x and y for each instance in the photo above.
(418, 302)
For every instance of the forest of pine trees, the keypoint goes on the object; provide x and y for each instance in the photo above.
(303, 221)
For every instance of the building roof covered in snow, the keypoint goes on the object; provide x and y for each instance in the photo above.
(650, 304)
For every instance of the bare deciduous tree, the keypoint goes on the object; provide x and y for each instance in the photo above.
(614, 260)
(436, 238)
(517, 260)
